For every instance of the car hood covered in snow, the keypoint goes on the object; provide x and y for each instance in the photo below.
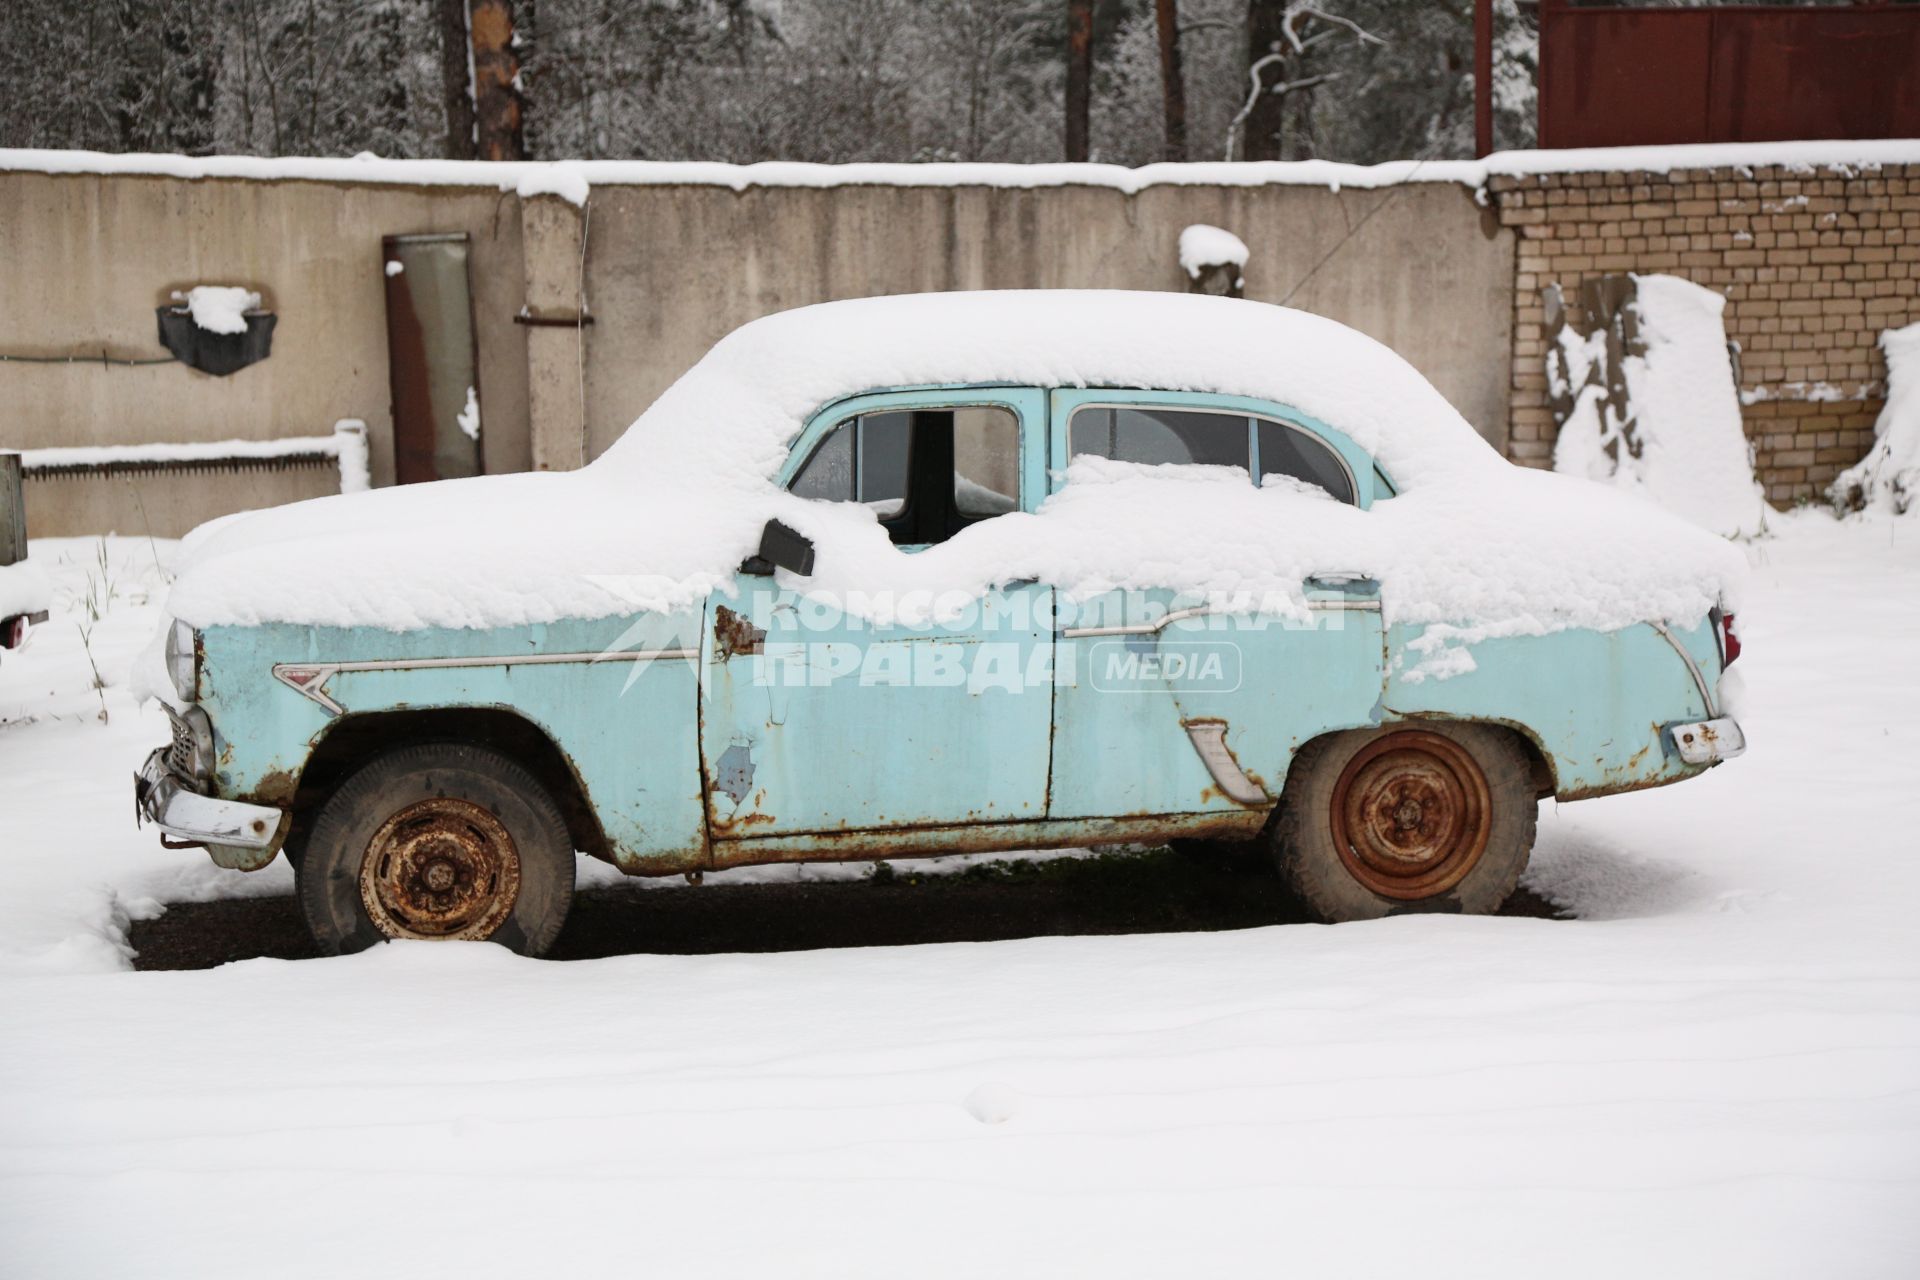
(668, 513)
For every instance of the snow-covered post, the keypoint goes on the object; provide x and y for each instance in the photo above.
(1214, 259)
(350, 451)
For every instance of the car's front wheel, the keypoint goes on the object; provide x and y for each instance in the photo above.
(1379, 822)
(443, 842)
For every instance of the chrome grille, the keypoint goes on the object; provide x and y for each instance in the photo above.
(180, 754)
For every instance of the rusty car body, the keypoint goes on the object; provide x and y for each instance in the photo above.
(680, 742)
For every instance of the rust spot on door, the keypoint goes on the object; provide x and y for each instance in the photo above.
(734, 634)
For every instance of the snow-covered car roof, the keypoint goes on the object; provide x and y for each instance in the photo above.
(668, 513)
(739, 408)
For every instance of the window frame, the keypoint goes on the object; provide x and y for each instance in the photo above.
(1063, 404)
(1027, 404)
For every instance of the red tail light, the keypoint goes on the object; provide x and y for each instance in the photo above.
(1729, 641)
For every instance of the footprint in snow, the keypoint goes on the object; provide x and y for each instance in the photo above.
(993, 1103)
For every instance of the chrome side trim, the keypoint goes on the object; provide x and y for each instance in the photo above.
(1139, 628)
(1693, 668)
(1209, 738)
(309, 679)
(1180, 615)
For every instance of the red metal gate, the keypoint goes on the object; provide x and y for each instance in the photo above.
(1614, 77)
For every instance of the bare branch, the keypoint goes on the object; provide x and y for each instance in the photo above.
(1361, 33)
(1255, 89)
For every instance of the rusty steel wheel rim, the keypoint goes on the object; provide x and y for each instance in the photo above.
(441, 869)
(1411, 815)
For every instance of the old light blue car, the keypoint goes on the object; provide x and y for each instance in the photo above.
(436, 782)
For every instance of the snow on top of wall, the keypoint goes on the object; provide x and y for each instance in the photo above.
(1688, 450)
(1889, 476)
(1203, 246)
(347, 445)
(573, 179)
(181, 451)
(667, 514)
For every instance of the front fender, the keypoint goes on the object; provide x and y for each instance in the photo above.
(628, 726)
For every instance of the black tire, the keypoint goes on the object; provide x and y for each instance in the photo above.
(1419, 817)
(469, 846)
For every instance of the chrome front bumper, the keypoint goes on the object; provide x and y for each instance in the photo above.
(160, 797)
(1707, 741)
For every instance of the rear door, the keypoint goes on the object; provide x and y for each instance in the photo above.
(1153, 686)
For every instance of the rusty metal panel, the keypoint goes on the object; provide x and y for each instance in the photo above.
(1617, 76)
(1623, 77)
(1826, 73)
(432, 362)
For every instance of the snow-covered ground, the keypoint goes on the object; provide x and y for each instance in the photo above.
(1714, 1071)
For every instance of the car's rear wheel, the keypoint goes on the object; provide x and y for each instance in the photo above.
(440, 842)
(1382, 822)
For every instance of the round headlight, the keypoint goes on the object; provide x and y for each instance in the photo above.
(183, 660)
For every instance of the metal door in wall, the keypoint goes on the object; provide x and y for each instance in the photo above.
(431, 359)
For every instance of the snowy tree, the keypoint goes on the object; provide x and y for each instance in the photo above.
(745, 80)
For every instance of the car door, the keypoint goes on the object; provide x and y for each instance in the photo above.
(1165, 707)
(816, 720)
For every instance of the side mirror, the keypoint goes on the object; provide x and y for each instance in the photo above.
(780, 548)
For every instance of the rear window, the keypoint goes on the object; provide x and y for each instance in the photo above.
(1261, 447)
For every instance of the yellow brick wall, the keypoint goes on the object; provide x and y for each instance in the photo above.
(1814, 263)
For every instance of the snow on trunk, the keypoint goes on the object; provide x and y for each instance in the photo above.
(1680, 440)
(1888, 478)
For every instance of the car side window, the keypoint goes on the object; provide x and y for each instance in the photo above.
(1151, 435)
(986, 462)
(926, 473)
(863, 459)
(1155, 436)
(1288, 451)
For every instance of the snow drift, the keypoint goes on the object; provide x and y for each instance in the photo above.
(1684, 446)
(1889, 476)
(668, 513)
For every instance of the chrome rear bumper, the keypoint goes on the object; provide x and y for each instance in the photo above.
(161, 798)
(1707, 741)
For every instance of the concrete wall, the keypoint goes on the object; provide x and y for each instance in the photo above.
(85, 259)
(671, 269)
(668, 270)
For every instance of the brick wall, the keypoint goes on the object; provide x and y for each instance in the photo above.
(1814, 264)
